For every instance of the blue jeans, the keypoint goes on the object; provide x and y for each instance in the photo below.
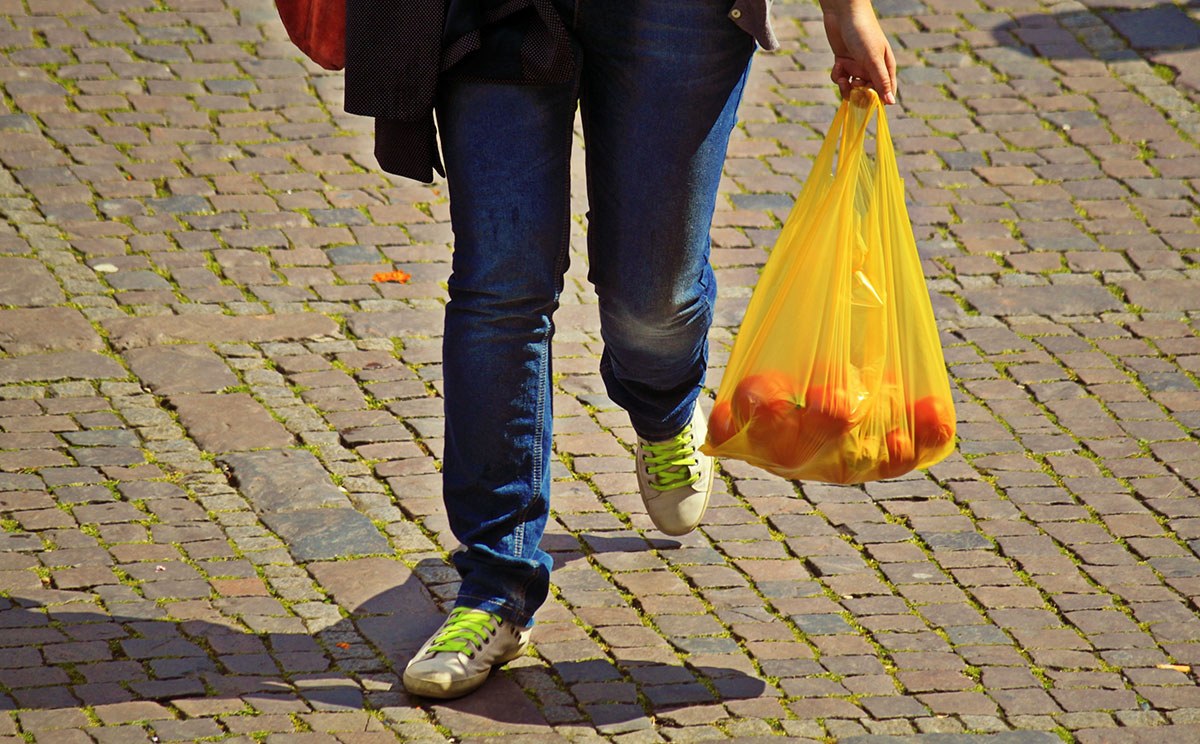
(658, 83)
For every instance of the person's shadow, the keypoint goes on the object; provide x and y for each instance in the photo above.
(1162, 33)
(64, 651)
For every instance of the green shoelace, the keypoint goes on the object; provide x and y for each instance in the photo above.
(671, 461)
(466, 631)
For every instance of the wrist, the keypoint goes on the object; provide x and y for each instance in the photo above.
(844, 7)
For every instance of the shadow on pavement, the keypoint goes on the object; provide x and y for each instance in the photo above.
(64, 650)
(1162, 33)
(557, 543)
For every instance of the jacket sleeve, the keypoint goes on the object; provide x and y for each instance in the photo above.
(393, 54)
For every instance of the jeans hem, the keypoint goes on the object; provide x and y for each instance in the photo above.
(664, 437)
(516, 614)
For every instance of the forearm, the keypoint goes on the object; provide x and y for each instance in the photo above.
(861, 52)
(841, 7)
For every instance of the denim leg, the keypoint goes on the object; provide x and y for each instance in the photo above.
(661, 84)
(507, 152)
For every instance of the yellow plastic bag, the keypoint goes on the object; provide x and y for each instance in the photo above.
(837, 373)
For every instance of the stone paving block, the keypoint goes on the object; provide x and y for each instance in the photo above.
(374, 586)
(126, 333)
(106, 513)
(229, 422)
(63, 365)
(143, 710)
(1155, 28)
(1002, 737)
(25, 282)
(1072, 300)
(283, 480)
(396, 323)
(180, 368)
(26, 331)
(191, 730)
(322, 534)
(504, 710)
(1165, 295)
(399, 641)
(367, 737)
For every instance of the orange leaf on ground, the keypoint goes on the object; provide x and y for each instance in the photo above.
(343, 645)
(392, 276)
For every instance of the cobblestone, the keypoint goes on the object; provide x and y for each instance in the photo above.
(220, 438)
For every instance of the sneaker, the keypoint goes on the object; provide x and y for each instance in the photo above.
(676, 478)
(458, 657)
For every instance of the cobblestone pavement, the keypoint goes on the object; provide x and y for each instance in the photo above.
(219, 437)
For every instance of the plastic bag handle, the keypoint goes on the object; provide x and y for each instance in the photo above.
(849, 145)
(885, 151)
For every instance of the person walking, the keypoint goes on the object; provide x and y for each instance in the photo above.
(657, 84)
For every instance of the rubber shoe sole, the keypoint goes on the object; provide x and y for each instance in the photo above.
(450, 688)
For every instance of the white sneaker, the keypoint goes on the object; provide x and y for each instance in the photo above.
(458, 657)
(676, 478)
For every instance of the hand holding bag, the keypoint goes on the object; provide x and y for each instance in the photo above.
(318, 27)
(837, 373)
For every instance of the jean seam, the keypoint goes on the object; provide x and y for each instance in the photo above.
(544, 350)
(543, 360)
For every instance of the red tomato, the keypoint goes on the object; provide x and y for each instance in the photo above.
(778, 433)
(902, 456)
(720, 424)
(828, 411)
(933, 423)
(758, 390)
(767, 404)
